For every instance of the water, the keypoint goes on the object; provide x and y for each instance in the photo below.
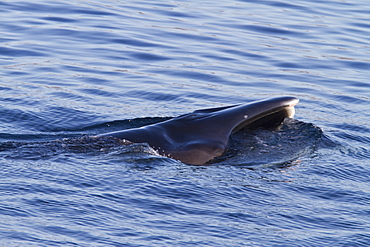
(71, 69)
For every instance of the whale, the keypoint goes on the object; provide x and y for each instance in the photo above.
(198, 137)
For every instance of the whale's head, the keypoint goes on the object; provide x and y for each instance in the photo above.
(268, 113)
(200, 136)
(261, 114)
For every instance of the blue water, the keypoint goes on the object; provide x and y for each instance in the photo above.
(74, 68)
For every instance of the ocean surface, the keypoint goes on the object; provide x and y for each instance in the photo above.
(73, 69)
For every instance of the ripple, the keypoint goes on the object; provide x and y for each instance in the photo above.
(13, 52)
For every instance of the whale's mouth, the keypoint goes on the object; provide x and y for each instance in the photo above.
(270, 119)
(293, 103)
(290, 110)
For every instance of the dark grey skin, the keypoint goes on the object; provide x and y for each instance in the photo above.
(202, 135)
